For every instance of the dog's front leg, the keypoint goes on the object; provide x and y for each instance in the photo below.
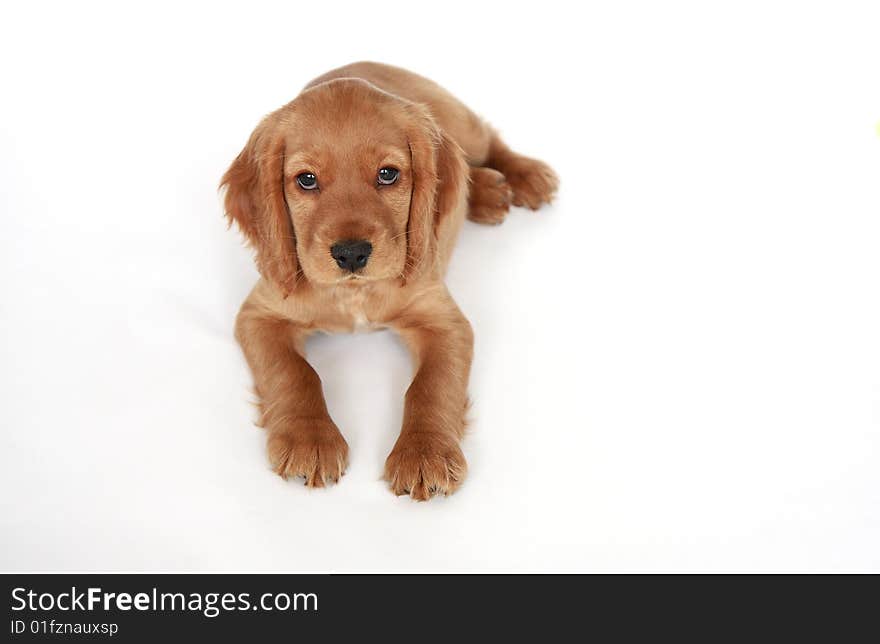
(302, 439)
(427, 459)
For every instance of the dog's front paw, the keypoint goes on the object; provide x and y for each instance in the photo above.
(310, 448)
(425, 464)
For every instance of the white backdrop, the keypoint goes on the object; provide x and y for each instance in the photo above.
(677, 365)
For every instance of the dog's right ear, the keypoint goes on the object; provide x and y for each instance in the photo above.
(255, 201)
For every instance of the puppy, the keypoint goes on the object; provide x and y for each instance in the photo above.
(352, 196)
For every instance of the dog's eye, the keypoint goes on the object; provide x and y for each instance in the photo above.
(307, 181)
(388, 176)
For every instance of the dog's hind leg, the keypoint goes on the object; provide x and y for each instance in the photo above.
(489, 197)
(532, 182)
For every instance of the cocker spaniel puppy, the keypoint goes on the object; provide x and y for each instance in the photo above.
(352, 196)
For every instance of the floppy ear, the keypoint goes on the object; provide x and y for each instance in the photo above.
(255, 201)
(440, 177)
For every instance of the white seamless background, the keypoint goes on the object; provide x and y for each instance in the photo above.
(677, 364)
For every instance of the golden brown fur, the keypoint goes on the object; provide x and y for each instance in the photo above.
(343, 128)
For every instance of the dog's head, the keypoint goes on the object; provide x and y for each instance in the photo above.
(343, 183)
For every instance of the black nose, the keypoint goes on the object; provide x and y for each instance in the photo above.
(352, 254)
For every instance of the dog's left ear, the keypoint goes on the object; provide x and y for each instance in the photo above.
(255, 201)
(440, 183)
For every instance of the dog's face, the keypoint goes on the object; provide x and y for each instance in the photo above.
(338, 185)
(347, 182)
